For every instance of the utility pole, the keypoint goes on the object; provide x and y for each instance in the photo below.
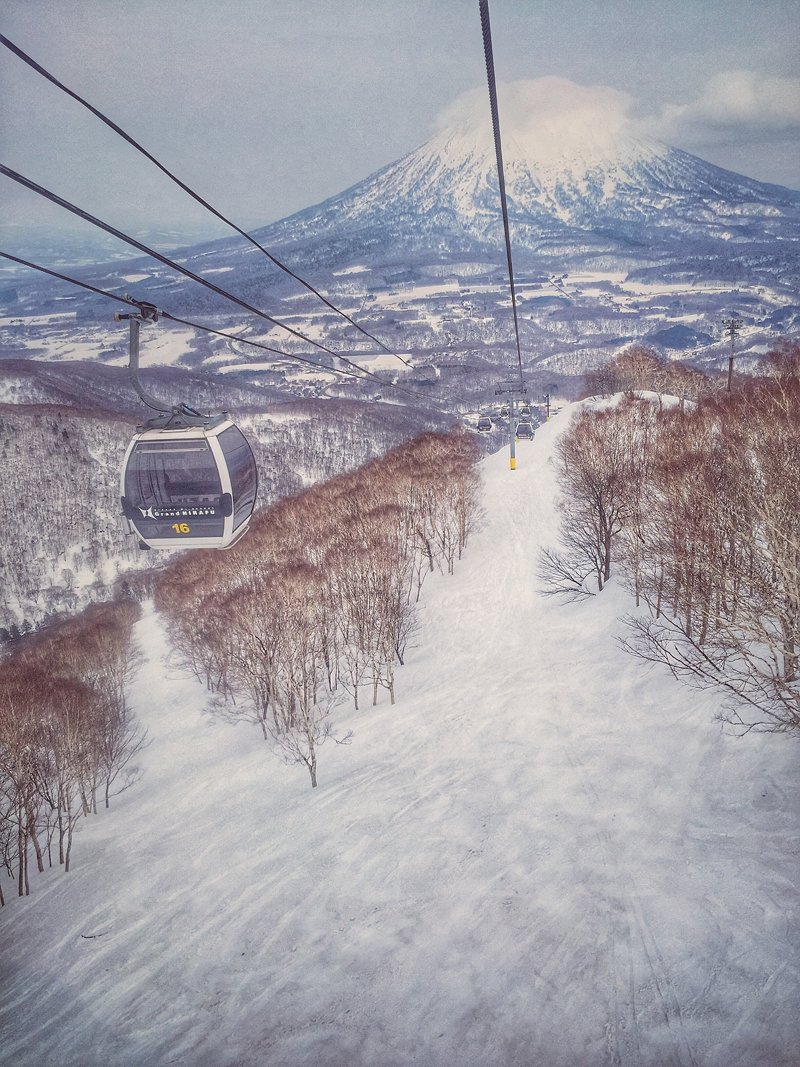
(548, 396)
(732, 328)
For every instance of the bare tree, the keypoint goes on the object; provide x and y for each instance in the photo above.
(64, 726)
(322, 592)
(782, 361)
(595, 467)
(722, 577)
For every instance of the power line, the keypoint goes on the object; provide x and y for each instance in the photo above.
(488, 53)
(363, 374)
(117, 129)
(85, 215)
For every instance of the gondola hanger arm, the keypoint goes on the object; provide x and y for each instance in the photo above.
(146, 313)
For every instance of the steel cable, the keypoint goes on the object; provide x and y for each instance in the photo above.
(56, 199)
(363, 375)
(488, 53)
(139, 148)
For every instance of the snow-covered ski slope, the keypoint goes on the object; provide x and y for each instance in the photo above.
(545, 854)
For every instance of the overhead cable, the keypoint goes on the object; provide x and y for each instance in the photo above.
(488, 53)
(363, 374)
(117, 129)
(28, 184)
(185, 322)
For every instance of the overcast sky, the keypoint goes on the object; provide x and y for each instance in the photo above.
(269, 106)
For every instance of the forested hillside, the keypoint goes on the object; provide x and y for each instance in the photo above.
(63, 544)
(82, 383)
(68, 737)
(695, 505)
(321, 596)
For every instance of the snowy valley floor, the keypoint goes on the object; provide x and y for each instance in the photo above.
(544, 855)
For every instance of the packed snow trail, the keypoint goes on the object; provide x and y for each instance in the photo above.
(544, 853)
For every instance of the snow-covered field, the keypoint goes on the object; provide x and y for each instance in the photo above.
(160, 348)
(388, 361)
(39, 320)
(544, 854)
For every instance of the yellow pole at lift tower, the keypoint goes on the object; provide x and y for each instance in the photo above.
(510, 389)
(512, 430)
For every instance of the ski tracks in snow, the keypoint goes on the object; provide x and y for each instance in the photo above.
(643, 990)
(538, 856)
(639, 972)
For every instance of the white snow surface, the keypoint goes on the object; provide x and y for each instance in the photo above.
(360, 269)
(383, 361)
(37, 320)
(160, 349)
(544, 854)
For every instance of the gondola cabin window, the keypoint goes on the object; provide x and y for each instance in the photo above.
(164, 473)
(178, 483)
(242, 471)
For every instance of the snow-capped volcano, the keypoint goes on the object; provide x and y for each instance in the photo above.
(588, 190)
(579, 176)
(558, 138)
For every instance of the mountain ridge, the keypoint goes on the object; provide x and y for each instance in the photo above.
(580, 185)
(648, 194)
(649, 236)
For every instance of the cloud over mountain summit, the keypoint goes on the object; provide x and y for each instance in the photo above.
(549, 122)
(735, 104)
(583, 176)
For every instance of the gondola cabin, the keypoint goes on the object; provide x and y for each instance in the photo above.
(484, 424)
(524, 431)
(189, 487)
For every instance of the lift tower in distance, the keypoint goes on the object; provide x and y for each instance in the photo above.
(513, 390)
